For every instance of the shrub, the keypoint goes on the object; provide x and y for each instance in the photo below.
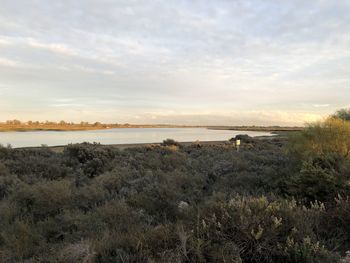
(343, 114)
(261, 230)
(170, 142)
(93, 159)
(8, 185)
(42, 200)
(21, 241)
(320, 179)
(321, 139)
(206, 203)
(335, 224)
(77, 252)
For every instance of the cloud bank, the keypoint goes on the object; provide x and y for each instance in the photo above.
(213, 62)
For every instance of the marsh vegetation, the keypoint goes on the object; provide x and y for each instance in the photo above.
(275, 200)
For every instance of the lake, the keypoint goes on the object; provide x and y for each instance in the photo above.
(118, 136)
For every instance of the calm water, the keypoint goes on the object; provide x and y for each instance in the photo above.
(118, 136)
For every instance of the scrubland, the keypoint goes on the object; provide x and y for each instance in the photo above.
(275, 200)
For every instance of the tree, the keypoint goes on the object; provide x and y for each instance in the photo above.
(13, 122)
(343, 114)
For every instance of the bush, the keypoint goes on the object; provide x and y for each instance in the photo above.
(335, 226)
(343, 114)
(42, 200)
(321, 160)
(170, 142)
(8, 185)
(93, 159)
(321, 179)
(261, 230)
(20, 240)
(321, 139)
(171, 203)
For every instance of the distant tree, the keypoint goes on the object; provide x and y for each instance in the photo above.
(13, 122)
(84, 123)
(343, 114)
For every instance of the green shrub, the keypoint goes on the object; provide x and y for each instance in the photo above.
(42, 200)
(321, 178)
(262, 231)
(21, 240)
(8, 184)
(173, 204)
(331, 136)
(335, 224)
(93, 159)
(170, 142)
(343, 114)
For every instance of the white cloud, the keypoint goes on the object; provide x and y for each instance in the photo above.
(261, 60)
(320, 105)
(53, 47)
(4, 42)
(9, 62)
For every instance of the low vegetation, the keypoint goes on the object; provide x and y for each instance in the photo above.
(274, 200)
(16, 125)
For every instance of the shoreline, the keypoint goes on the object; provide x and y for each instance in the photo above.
(228, 128)
(122, 146)
(125, 145)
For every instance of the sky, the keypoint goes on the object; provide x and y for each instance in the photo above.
(237, 62)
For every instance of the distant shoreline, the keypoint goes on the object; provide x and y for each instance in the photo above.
(77, 127)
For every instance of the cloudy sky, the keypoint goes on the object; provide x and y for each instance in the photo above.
(184, 62)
